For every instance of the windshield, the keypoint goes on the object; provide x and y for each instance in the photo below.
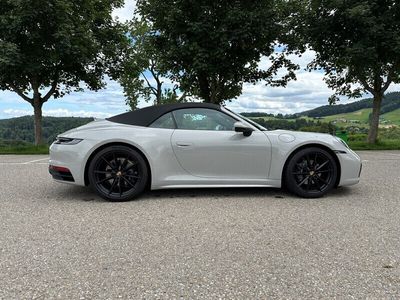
(258, 126)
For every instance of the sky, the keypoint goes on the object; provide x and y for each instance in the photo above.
(307, 92)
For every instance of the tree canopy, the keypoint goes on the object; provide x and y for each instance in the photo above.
(357, 44)
(49, 47)
(211, 47)
(143, 76)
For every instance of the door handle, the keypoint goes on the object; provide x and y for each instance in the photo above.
(184, 144)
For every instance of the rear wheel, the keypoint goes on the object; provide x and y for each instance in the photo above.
(311, 173)
(118, 173)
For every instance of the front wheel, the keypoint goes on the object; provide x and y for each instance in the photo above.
(118, 173)
(311, 173)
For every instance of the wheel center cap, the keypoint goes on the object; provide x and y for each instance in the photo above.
(312, 173)
(119, 173)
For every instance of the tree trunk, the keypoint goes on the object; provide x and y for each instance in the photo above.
(159, 93)
(204, 88)
(213, 91)
(37, 109)
(374, 122)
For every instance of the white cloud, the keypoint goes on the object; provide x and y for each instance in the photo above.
(393, 88)
(111, 97)
(302, 60)
(125, 13)
(307, 92)
(60, 112)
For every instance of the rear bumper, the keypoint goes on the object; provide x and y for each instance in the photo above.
(61, 173)
(71, 158)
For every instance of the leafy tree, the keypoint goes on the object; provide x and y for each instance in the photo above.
(48, 47)
(143, 74)
(357, 44)
(211, 47)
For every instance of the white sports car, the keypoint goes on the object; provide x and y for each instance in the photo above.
(198, 145)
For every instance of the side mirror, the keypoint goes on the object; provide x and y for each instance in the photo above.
(240, 127)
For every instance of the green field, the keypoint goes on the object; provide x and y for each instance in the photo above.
(361, 118)
(359, 115)
(392, 117)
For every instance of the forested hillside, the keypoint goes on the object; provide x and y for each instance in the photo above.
(21, 129)
(390, 102)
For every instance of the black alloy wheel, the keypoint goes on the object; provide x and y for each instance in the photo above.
(118, 173)
(311, 173)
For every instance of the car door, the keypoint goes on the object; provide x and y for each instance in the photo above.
(206, 145)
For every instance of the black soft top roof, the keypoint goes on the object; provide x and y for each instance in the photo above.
(146, 116)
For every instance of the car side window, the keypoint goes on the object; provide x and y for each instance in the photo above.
(203, 119)
(165, 121)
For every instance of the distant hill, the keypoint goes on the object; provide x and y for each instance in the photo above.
(21, 128)
(390, 103)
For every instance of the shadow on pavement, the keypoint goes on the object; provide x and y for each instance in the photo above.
(86, 194)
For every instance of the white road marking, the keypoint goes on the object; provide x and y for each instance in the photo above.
(19, 164)
(394, 154)
(36, 160)
(31, 162)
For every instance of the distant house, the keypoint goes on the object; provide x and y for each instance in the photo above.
(341, 120)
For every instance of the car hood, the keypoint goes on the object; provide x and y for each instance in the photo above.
(302, 134)
(299, 138)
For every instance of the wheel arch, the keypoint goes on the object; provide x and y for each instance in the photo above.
(313, 145)
(101, 147)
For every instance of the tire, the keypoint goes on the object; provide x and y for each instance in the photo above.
(311, 173)
(118, 173)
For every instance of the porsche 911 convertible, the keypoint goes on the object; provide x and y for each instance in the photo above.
(198, 145)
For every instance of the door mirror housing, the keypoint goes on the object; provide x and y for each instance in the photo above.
(246, 130)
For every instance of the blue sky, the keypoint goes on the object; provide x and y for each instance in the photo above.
(307, 92)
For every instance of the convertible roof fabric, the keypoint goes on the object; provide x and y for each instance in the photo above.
(145, 116)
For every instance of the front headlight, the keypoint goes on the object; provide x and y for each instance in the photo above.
(67, 141)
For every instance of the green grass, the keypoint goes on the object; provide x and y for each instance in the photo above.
(380, 145)
(361, 115)
(357, 118)
(361, 118)
(392, 117)
(21, 147)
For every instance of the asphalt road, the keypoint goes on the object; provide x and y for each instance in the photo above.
(61, 241)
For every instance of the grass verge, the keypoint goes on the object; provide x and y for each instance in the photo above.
(380, 145)
(24, 149)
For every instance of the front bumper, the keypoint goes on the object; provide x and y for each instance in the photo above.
(351, 167)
